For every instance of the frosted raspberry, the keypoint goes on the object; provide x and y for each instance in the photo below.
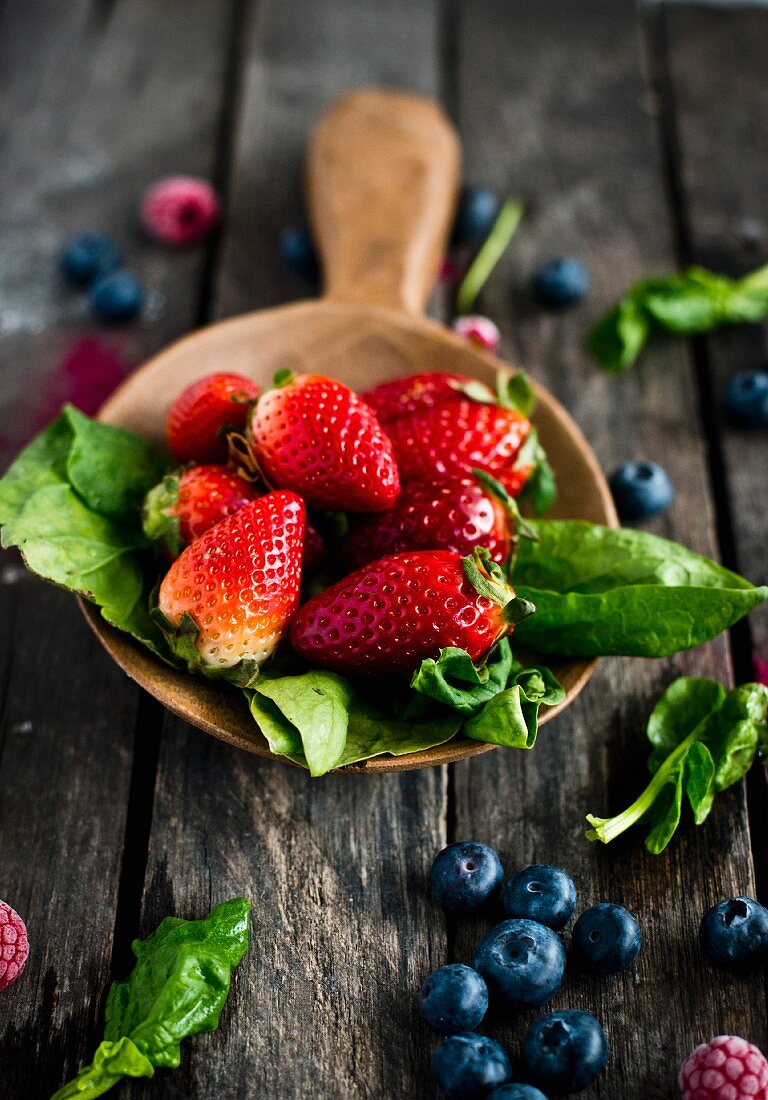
(726, 1068)
(179, 210)
(14, 945)
(478, 330)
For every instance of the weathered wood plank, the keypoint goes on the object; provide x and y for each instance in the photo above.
(716, 72)
(97, 100)
(552, 107)
(324, 1003)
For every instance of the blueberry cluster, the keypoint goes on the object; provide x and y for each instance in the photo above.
(519, 963)
(93, 260)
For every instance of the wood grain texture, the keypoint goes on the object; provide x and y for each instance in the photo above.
(97, 100)
(564, 123)
(342, 929)
(716, 70)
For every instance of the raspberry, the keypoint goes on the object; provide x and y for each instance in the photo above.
(478, 330)
(179, 210)
(726, 1068)
(14, 945)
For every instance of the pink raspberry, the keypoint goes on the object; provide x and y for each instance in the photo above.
(726, 1068)
(14, 945)
(478, 330)
(179, 210)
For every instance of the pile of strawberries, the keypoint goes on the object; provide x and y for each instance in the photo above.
(420, 475)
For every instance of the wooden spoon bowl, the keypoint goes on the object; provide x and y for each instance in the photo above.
(383, 174)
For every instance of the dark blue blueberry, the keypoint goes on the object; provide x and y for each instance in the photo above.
(561, 282)
(640, 489)
(606, 939)
(522, 961)
(453, 998)
(469, 1066)
(476, 211)
(564, 1050)
(746, 399)
(85, 257)
(298, 251)
(117, 297)
(465, 875)
(541, 893)
(517, 1092)
(735, 933)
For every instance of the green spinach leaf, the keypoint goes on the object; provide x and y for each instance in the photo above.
(704, 739)
(73, 514)
(689, 303)
(321, 721)
(600, 591)
(177, 989)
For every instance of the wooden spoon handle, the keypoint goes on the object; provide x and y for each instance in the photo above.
(383, 172)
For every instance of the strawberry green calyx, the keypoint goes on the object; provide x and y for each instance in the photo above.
(489, 580)
(161, 524)
(282, 378)
(182, 642)
(514, 391)
(521, 526)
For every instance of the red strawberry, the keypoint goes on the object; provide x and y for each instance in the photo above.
(452, 438)
(186, 504)
(419, 392)
(454, 513)
(226, 601)
(315, 436)
(388, 617)
(203, 414)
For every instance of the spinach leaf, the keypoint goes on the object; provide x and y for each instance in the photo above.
(319, 720)
(456, 681)
(689, 303)
(73, 514)
(511, 717)
(600, 591)
(177, 989)
(704, 740)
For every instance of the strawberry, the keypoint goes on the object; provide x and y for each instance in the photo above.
(183, 506)
(314, 550)
(387, 618)
(225, 602)
(315, 436)
(454, 513)
(419, 392)
(452, 438)
(204, 413)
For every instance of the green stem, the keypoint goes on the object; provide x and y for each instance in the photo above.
(756, 280)
(607, 829)
(489, 255)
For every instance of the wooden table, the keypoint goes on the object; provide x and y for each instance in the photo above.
(638, 146)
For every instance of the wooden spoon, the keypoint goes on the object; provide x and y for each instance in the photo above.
(383, 172)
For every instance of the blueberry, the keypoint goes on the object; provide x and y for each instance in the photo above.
(117, 297)
(453, 998)
(465, 875)
(517, 1092)
(735, 932)
(541, 893)
(561, 282)
(476, 211)
(640, 489)
(521, 960)
(87, 256)
(470, 1066)
(564, 1050)
(746, 399)
(298, 251)
(606, 939)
